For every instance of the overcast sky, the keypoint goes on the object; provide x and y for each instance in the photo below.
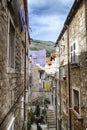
(46, 18)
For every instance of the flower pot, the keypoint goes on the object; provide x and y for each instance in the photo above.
(64, 77)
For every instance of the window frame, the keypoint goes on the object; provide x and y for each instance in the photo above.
(74, 53)
(73, 103)
(22, 58)
(9, 68)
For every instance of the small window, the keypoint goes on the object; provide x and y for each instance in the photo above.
(71, 49)
(76, 101)
(11, 45)
(40, 74)
(74, 55)
(22, 59)
(74, 47)
(43, 83)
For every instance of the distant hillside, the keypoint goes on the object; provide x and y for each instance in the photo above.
(39, 45)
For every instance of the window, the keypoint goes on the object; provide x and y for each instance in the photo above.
(22, 59)
(43, 82)
(62, 49)
(22, 108)
(30, 80)
(76, 100)
(41, 74)
(74, 54)
(11, 46)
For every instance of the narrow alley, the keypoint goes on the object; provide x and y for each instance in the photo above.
(43, 65)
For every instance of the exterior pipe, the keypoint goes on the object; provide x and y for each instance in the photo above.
(25, 81)
(60, 120)
(56, 104)
(70, 105)
(25, 86)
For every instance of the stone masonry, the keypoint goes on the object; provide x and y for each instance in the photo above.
(11, 83)
(74, 32)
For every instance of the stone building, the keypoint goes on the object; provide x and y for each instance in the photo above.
(36, 76)
(71, 52)
(13, 44)
(42, 84)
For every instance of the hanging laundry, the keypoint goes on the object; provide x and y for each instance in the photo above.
(47, 85)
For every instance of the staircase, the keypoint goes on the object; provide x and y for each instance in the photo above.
(51, 118)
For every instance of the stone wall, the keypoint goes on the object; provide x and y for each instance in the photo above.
(78, 73)
(36, 85)
(36, 92)
(11, 84)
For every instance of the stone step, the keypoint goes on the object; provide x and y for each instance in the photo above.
(51, 122)
(50, 115)
(51, 119)
(50, 111)
(51, 126)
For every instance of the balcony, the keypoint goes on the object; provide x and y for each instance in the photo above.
(75, 61)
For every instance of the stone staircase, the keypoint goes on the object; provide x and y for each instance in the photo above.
(51, 118)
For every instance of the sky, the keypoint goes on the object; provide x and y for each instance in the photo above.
(47, 17)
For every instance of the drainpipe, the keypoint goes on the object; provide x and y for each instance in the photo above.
(25, 81)
(56, 105)
(60, 118)
(25, 87)
(70, 103)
